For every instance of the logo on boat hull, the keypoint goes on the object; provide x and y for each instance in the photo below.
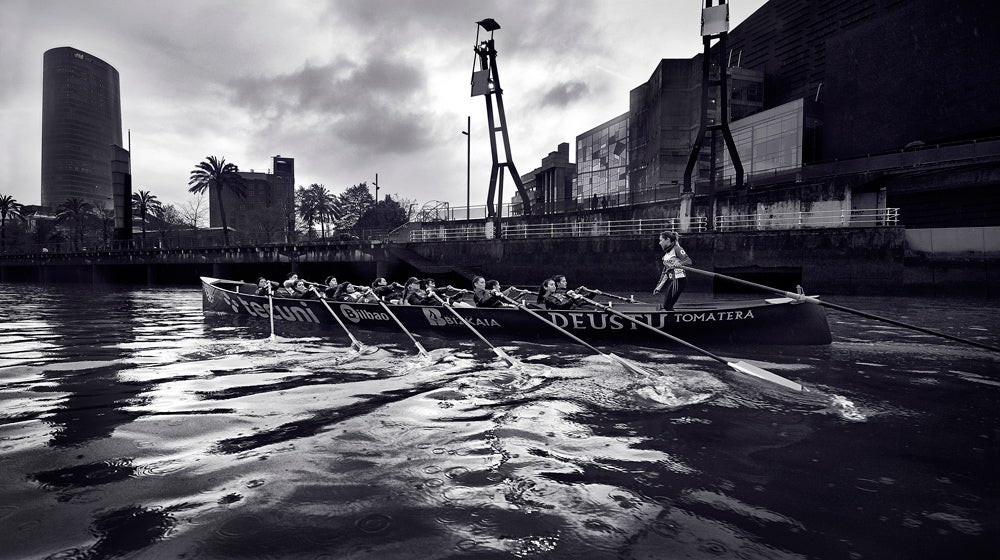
(438, 319)
(293, 313)
(600, 321)
(357, 315)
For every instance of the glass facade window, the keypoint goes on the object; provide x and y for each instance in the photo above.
(768, 141)
(602, 163)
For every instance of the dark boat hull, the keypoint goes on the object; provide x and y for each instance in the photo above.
(775, 321)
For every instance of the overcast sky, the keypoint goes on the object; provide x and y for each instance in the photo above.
(349, 88)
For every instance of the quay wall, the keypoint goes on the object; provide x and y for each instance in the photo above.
(849, 261)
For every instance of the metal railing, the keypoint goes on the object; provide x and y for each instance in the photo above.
(635, 228)
(867, 217)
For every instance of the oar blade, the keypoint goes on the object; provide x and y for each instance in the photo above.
(504, 356)
(762, 373)
(629, 365)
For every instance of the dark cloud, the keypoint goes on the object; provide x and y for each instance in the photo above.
(368, 105)
(564, 94)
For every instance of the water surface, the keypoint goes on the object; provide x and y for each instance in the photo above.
(132, 425)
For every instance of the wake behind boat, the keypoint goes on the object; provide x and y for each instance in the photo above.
(777, 321)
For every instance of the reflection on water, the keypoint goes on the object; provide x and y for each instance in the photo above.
(133, 425)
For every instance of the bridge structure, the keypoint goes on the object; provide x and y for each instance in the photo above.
(156, 266)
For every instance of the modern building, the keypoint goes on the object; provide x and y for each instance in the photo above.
(665, 113)
(886, 72)
(602, 164)
(830, 89)
(775, 141)
(81, 130)
(549, 186)
(267, 213)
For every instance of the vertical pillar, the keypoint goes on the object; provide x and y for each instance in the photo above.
(684, 212)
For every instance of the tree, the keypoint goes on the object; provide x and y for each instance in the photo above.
(193, 212)
(315, 204)
(385, 215)
(265, 224)
(354, 202)
(214, 174)
(305, 206)
(326, 207)
(106, 217)
(143, 203)
(75, 211)
(9, 208)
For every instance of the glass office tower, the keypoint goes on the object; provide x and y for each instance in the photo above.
(81, 125)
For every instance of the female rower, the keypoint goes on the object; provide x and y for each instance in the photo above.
(672, 277)
(553, 298)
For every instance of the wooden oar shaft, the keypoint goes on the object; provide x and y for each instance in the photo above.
(622, 298)
(612, 357)
(740, 366)
(339, 322)
(496, 350)
(270, 307)
(551, 324)
(398, 322)
(654, 329)
(858, 312)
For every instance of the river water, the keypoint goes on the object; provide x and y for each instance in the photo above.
(133, 425)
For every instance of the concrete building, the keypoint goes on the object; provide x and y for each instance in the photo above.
(549, 186)
(81, 129)
(267, 213)
(837, 93)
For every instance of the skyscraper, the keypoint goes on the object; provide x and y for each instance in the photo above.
(81, 127)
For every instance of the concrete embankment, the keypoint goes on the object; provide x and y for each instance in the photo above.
(850, 261)
(856, 261)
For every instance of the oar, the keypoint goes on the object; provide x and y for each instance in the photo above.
(498, 351)
(270, 307)
(610, 357)
(420, 349)
(801, 297)
(739, 366)
(629, 299)
(355, 343)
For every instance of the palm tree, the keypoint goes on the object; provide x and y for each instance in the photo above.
(325, 207)
(106, 217)
(9, 208)
(143, 202)
(305, 202)
(74, 210)
(214, 174)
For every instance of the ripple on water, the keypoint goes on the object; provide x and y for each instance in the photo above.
(374, 523)
(242, 525)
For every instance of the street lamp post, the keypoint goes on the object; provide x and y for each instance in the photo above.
(376, 188)
(468, 165)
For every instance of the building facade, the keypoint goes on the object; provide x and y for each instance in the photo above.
(886, 72)
(549, 186)
(664, 118)
(267, 213)
(772, 142)
(81, 128)
(602, 164)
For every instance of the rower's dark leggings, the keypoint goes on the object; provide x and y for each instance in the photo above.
(673, 292)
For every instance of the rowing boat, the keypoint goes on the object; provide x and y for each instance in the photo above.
(776, 321)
